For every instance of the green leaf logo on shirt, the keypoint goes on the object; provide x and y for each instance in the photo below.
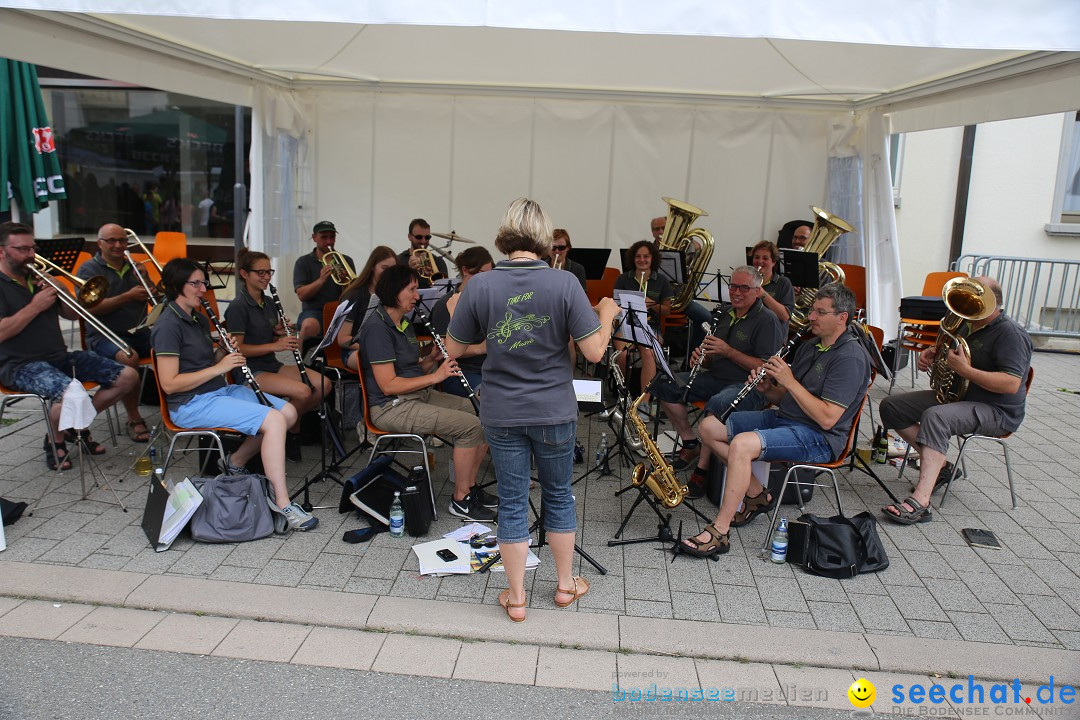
(510, 325)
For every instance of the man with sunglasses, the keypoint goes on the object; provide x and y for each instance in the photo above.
(312, 281)
(33, 355)
(817, 398)
(560, 249)
(420, 237)
(745, 335)
(122, 310)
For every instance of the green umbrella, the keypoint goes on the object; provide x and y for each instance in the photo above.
(29, 167)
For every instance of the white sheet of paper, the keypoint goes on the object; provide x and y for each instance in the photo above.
(589, 391)
(430, 562)
(183, 501)
(338, 320)
(463, 533)
(634, 317)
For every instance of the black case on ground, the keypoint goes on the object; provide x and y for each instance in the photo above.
(714, 483)
(371, 491)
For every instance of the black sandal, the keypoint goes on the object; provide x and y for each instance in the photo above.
(89, 444)
(53, 451)
(919, 514)
(717, 544)
(752, 507)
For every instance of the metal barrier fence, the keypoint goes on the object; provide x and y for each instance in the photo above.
(1041, 295)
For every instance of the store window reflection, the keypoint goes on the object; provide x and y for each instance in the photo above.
(150, 160)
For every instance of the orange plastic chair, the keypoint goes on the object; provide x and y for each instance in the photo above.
(916, 335)
(602, 288)
(169, 245)
(855, 280)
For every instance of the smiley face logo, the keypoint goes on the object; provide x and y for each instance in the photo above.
(862, 693)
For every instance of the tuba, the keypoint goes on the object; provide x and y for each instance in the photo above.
(343, 273)
(966, 299)
(661, 480)
(695, 245)
(827, 227)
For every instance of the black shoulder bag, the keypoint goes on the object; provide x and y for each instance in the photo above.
(836, 547)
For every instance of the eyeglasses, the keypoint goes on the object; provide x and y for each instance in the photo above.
(113, 241)
(815, 311)
(263, 273)
(199, 283)
(476, 542)
(422, 237)
(742, 288)
(558, 248)
(22, 248)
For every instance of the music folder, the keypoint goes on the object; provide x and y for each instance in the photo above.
(166, 514)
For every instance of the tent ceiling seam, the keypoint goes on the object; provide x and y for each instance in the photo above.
(795, 67)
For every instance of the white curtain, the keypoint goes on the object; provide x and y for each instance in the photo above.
(282, 181)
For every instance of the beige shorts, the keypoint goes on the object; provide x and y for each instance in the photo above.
(430, 412)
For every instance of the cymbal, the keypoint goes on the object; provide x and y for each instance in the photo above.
(452, 236)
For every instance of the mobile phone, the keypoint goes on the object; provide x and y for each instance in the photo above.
(446, 555)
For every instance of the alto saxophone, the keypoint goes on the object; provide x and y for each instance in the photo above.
(661, 480)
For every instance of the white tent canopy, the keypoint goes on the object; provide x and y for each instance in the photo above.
(374, 113)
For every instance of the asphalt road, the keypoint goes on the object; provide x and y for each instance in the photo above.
(43, 679)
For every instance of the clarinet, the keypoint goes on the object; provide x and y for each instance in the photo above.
(284, 320)
(446, 356)
(227, 345)
(709, 330)
(759, 375)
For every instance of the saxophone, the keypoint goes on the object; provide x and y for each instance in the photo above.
(661, 480)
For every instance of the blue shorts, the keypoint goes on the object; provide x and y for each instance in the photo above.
(233, 406)
(50, 379)
(781, 439)
(139, 342)
(316, 315)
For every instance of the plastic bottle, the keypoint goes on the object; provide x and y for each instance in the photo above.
(145, 464)
(601, 452)
(779, 543)
(881, 452)
(397, 517)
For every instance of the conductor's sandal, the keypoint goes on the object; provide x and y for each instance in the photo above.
(504, 602)
(581, 586)
(717, 544)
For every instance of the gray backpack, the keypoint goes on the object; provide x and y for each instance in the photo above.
(235, 508)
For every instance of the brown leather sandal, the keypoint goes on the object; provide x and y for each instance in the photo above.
(717, 544)
(504, 601)
(752, 507)
(139, 436)
(579, 583)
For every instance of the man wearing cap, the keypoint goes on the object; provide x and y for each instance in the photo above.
(420, 237)
(312, 280)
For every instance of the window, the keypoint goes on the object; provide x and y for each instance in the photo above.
(146, 159)
(1066, 212)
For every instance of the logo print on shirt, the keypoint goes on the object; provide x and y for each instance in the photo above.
(510, 325)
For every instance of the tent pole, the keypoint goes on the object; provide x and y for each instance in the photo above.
(239, 189)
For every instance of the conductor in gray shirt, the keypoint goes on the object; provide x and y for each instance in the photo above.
(528, 313)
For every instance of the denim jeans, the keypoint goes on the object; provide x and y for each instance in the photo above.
(512, 450)
(781, 439)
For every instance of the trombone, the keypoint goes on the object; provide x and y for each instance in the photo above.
(154, 293)
(91, 291)
(40, 265)
(343, 273)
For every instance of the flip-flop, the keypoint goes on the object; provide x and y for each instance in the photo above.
(579, 583)
(920, 514)
(504, 602)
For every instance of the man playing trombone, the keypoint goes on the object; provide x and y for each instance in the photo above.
(315, 280)
(121, 310)
(33, 355)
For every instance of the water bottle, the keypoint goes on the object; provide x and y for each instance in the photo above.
(146, 464)
(397, 517)
(601, 452)
(779, 543)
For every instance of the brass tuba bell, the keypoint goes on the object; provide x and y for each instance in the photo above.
(695, 245)
(827, 227)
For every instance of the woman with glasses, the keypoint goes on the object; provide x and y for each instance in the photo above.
(253, 319)
(359, 292)
(469, 263)
(192, 375)
(642, 277)
(527, 314)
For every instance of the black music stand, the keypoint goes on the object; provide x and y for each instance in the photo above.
(800, 267)
(329, 440)
(594, 260)
(63, 252)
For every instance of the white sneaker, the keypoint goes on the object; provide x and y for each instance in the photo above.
(299, 518)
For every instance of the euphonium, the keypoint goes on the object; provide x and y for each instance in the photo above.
(428, 269)
(827, 227)
(966, 299)
(661, 480)
(695, 245)
(343, 273)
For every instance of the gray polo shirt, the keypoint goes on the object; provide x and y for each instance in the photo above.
(383, 342)
(186, 336)
(41, 339)
(658, 289)
(256, 322)
(758, 333)
(528, 314)
(780, 289)
(440, 323)
(128, 315)
(1001, 346)
(306, 271)
(838, 374)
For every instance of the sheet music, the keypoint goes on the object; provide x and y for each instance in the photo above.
(634, 317)
(429, 297)
(588, 391)
(338, 320)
